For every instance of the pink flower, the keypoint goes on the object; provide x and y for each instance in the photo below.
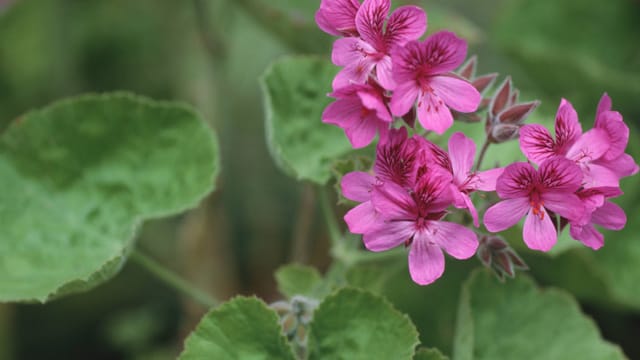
(526, 191)
(423, 72)
(361, 111)
(459, 162)
(360, 56)
(398, 158)
(338, 17)
(600, 212)
(415, 219)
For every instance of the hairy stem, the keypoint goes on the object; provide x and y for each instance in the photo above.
(483, 152)
(330, 218)
(172, 279)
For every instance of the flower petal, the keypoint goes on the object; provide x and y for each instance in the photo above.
(457, 240)
(405, 24)
(539, 232)
(357, 186)
(588, 235)
(370, 21)
(362, 131)
(591, 146)
(342, 112)
(433, 114)
(426, 262)
(404, 97)
(622, 166)
(618, 133)
(462, 152)
(565, 204)
(385, 74)
(609, 216)
(603, 105)
(567, 127)
(388, 235)
(451, 51)
(486, 180)
(349, 50)
(596, 175)
(372, 99)
(560, 174)
(458, 94)
(337, 17)
(505, 214)
(536, 143)
(393, 202)
(362, 218)
(515, 180)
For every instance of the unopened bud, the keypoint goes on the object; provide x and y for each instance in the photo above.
(502, 98)
(516, 114)
(496, 254)
(504, 132)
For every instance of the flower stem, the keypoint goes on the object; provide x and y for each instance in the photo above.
(483, 152)
(172, 279)
(330, 218)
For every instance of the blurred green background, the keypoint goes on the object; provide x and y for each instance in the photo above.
(211, 53)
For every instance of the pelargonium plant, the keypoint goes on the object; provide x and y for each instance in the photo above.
(415, 185)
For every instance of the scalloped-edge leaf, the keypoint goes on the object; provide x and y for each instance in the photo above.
(296, 279)
(243, 328)
(80, 175)
(517, 320)
(356, 324)
(429, 354)
(295, 95)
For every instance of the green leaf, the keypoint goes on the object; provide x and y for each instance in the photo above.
(354, 324)
(429, 354)
(243, 328)
(516, 320)
(79, 176)
(295, 91)
(296, 279)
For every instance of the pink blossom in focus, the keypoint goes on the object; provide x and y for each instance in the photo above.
(398, 158)
(600, 212)
(423, 73)
(338, 17)
(527, 191)
(361, 111)
(372, 49)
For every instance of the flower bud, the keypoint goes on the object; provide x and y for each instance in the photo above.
(497, 255)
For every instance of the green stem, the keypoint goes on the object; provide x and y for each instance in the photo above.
(330, 218)
(483, 152)
(172, 279)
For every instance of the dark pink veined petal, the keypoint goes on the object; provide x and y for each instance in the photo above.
(443, 52)
(405, 24)
(567, 127)
(472, 209)
(362, 132)
(462, 152)
(433, 114)
(406, 61)
(354, 73)
(622, 166)
(349, 50)
(388, 235)
(342, 112)
(362, 218)
(426, 261)
(370, 21)
(617, 131)
(393, 202)
(539, 232)
(516, 180)
(536, 143)
(458, 94)
(384, 73)
(337, 17)
(603, 105)
(609, 216)
(565, 204)
(588, 235)
(404, 97)
(357, 186)
(456, 240)
(560, 174)
(433, 189)
(505, 214)
(373, 100)
(486, 180)
(591, 146)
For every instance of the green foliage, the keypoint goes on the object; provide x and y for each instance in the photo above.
(354, 324)
(243, 328)
(79, 176)
(295, 91)
(516, 320)
(429, 354)
(296, 279)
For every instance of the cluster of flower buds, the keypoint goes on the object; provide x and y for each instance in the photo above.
(497, 255)
(482, 83)
(295, 316)
(388, 74)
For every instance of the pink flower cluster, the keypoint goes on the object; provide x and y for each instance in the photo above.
(387, 70)
(389, 73)
(577, 174)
